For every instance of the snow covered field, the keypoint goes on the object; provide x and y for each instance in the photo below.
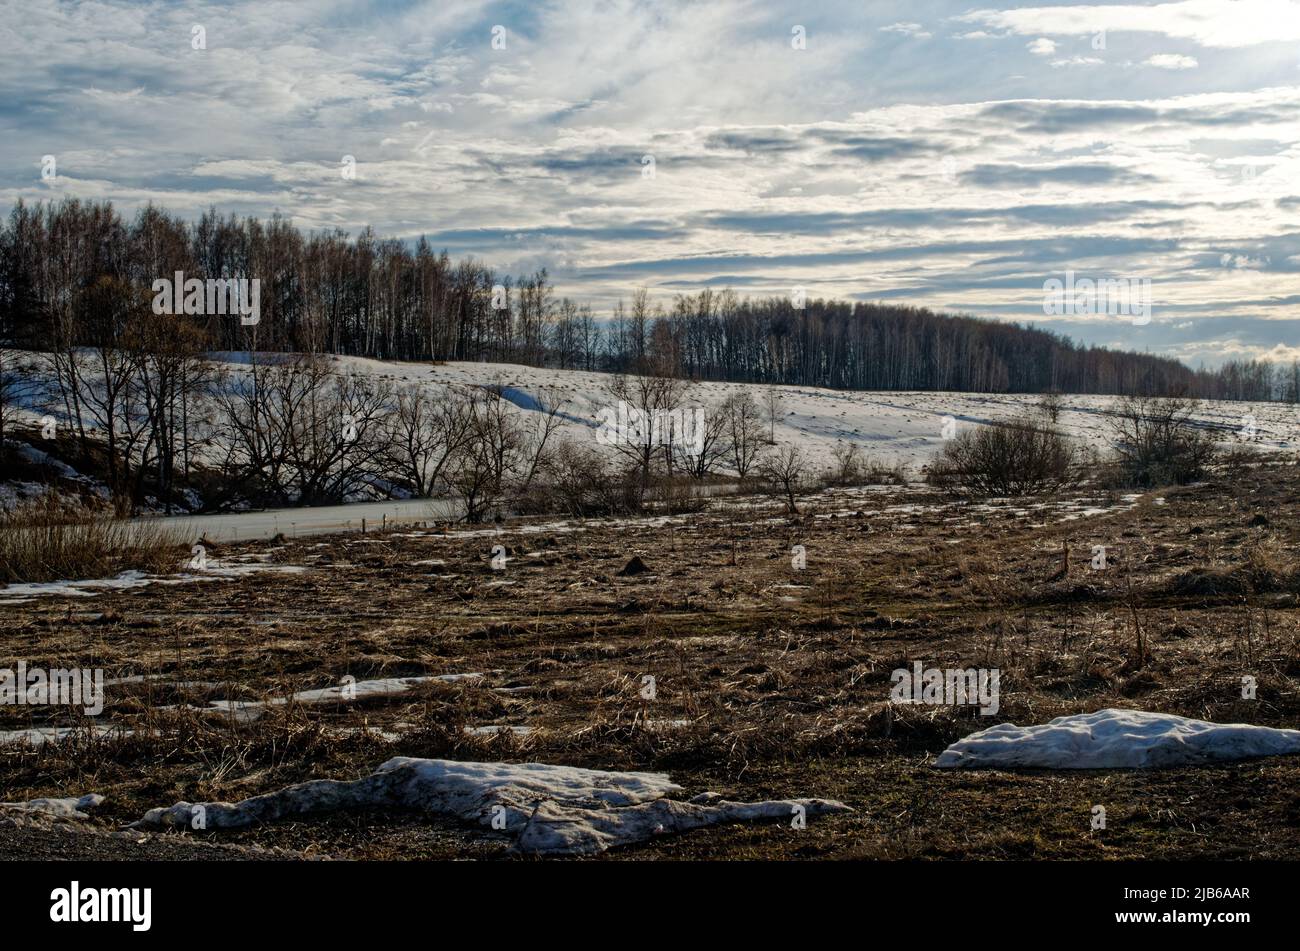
(896, 426)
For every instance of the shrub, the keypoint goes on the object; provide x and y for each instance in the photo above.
(1050, 405)
(848, 465)
(1021, 457)
(851, 467)
(1157, 443)
(580, 481)
(679, 496)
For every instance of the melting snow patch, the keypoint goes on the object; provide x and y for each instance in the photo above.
(549, 810)
(667, 724)
(246, 711)
(59, 808)
(215, 571)
(1116, 739)
(40, 735)
(493, 729)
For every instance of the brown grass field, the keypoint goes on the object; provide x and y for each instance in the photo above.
(771, 682)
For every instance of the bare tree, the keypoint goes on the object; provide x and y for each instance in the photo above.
(589, 336)
(338, 438)
(744, 421)
(254, 422)
(430, 427)
(646, 405)
(13, 375)
(171, 372)
(705, 442)
(536, 440)
(638, 328)
(785, 472)
(97, 368)
(297, 432)
(491, 453)
(772, 407)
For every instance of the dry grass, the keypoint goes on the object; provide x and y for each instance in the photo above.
(49, 539)
(771, 681)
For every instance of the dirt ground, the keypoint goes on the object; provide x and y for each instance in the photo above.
(769, 681)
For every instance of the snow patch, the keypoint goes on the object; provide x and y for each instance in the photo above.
(549, 810)
(40, 735)
(245, 711)
(1116, 739)
(215, 571)
(75, 808)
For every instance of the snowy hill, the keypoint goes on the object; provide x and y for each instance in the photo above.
(894, 426)
(891, 428)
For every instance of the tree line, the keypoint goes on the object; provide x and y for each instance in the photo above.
(77, 274)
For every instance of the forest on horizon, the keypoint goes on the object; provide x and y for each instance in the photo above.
(76, 273)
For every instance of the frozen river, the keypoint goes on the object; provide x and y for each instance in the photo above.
(243, 526)
(293, 522)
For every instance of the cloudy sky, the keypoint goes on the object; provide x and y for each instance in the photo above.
(943, 154)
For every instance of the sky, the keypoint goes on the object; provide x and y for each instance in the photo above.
(957, 156)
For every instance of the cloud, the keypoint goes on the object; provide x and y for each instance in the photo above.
(1172, 61)
(1211, 23)
(907, 29)
(1053, 117)
(1078, 61)
(1036, 176)
(749, 140)
(868, 165)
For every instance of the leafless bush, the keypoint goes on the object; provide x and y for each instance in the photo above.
(1050, 405)
(537, 441)
(680, 496)
(1236, 461)
(706, 444)
(849, 464)
(580, 481)
(648, 402)
(13, 374)
(886, 474)
(479, 474)
(1021, 457)
(1156, 442)
(853, 467)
